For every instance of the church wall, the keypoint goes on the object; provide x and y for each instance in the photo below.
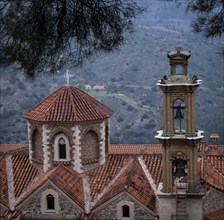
(35, 140)
(67, 209)
(214, 200)
(110, 209)
(87, 140)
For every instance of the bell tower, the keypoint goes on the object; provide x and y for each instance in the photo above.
(180, 136)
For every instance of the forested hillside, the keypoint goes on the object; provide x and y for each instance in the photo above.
(130, 75)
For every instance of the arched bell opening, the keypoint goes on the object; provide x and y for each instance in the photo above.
(178, 116)
(179, 170)
(178, 70)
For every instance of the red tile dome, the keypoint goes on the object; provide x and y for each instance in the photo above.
(68, 104)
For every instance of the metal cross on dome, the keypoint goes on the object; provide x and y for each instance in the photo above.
(67, 76)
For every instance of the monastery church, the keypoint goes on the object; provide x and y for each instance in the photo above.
(69, 170)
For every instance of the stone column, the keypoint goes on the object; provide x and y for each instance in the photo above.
(188, 121)
(171, 118)
(166, 118)
(45, 141)
(193, 169)
(30, 142)
(167, 175)
(102, 143)
(76, 148)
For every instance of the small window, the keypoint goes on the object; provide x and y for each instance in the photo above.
(126, 211)
(62, 148)
(50, 202)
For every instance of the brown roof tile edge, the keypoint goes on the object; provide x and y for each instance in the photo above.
(11, 148)
(215, 215)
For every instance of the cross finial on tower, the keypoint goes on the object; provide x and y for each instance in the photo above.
(67, 76)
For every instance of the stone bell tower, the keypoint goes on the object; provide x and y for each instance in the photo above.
(180, 136)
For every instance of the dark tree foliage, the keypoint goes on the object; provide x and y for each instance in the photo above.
(210, 16)
(41, 35)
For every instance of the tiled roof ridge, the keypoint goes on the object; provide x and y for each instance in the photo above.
(126, 182)
(59, 166)
(131, 172)
(72, 100)
(212, 165)
(131, 184)
(62, 166)
(72, 172)
(122, 170)
(55, 101)
(147, 173)
(92, 100)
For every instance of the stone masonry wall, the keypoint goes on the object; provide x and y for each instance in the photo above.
(214, 200)
(90, 145)
(110, 211)
(37, 144)
(33, 207)
(89, 138)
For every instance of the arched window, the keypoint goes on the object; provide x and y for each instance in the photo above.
(125, 211)
(50, 202)
(61, 148)
(178, 115)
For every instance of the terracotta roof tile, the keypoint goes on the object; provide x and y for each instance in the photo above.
(6, 148)
(68, 180)
(212, 174)
(154, 165)
(134, 181)
(69, 104)
(8, 214)
(100, 177)
(135, 148)
(24, 173)
(37, 184)
(212, 165)
(215, 215)
(3, 184)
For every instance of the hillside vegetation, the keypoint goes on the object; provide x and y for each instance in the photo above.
(130, 75)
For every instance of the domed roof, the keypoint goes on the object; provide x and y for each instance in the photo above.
(68, 104)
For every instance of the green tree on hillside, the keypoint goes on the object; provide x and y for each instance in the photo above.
(210, 16)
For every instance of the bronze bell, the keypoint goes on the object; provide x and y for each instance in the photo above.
(179, 113)
(180, 167)
(180, 172)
